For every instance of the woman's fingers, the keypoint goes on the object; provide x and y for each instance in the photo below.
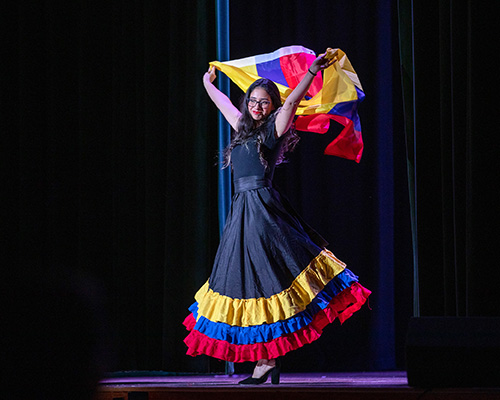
(211, 73)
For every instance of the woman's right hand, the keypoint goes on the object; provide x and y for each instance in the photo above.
(323, 61)
(209, 75)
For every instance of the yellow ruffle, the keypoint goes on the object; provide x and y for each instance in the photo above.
(247, 312)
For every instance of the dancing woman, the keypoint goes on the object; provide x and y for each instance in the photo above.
(274, 285)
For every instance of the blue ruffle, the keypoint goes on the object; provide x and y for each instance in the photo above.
(267, 332)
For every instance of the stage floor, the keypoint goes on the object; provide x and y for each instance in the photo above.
(368, 385)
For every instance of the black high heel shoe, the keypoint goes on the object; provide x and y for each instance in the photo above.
(275, 376)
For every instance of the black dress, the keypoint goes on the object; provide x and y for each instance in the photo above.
(274, 286)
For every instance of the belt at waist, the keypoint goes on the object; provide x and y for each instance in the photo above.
(251, 182)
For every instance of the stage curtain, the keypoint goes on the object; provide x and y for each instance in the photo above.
(112, 149)
(450, 85)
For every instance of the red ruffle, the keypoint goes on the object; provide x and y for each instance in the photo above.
(342, 306)
(189, 322)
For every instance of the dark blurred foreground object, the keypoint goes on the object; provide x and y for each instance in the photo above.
(453, 352)
(53, 332)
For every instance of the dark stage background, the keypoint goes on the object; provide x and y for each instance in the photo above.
(111, 144)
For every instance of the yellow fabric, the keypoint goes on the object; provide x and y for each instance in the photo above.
(337, 88)
(283, 305)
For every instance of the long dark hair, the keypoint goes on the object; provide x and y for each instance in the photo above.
(248, 127)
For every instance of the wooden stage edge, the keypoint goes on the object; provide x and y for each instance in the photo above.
(391, 385)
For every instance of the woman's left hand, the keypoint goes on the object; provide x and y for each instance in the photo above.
(321, 63)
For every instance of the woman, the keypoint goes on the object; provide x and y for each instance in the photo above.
(274, 286)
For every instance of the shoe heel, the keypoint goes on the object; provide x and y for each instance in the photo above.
(275, 374)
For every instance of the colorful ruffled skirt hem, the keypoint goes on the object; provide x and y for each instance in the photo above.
(342, 306)
(274, 286)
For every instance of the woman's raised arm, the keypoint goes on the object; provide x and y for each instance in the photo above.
(285, 118)
(223, 103)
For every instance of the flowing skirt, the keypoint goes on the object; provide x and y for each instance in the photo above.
(274, 285)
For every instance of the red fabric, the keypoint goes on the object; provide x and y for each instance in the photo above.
(295, 66)
(318, 123)
(343, 306)
(189, 322)
(348, 144)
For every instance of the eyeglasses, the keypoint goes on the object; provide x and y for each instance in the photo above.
(262, 103)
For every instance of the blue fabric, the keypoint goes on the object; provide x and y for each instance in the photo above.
(347, 109)
(272, 65)
(266, 332)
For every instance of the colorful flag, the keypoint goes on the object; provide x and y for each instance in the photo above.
(334, 95)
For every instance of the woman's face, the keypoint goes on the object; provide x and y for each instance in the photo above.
(259, 104)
